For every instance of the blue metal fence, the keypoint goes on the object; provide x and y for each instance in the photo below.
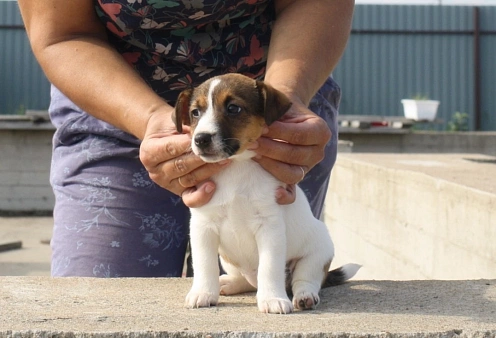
(443, 52)
(22, 83)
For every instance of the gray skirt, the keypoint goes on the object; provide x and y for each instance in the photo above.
(110, 219)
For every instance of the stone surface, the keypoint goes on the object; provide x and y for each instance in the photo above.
(68, 307)
(33, 258)
(414, 216)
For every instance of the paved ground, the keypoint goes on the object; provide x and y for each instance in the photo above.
(33, 259)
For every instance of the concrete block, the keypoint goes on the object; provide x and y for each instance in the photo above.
(24, 169)
(27, 178)
(132, 307)
(25, 198)
(345, 146)
(378, 141)
(414, 216)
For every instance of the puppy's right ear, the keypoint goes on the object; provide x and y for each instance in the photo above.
(180, 115)
(275, 103)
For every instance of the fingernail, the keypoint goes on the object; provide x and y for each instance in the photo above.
(209, 188)
(223, 162)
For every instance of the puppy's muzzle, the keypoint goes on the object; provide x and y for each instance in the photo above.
(203, 141)
(212, 147)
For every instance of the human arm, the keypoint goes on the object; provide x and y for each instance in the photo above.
(307, 42)
(70, 43)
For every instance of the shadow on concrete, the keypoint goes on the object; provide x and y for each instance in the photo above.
(471, 299)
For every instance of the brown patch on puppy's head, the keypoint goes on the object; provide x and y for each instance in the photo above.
(180, 115)
(228, 112)
(276, 104)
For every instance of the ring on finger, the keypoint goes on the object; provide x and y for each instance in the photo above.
(302, 174)
(181, 183)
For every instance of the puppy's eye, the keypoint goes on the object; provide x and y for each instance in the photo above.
(233, 109)
(195, 113)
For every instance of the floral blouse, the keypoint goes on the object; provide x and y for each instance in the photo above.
(176, 44)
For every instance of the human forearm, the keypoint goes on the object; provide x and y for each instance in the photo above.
(307, 42)
(77, 59)
(99, 81)
(308, 38)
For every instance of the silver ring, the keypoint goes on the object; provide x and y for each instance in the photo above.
(302, 174)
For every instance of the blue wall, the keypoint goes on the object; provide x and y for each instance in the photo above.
(22, 83)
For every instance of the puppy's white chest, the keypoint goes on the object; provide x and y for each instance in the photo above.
(244, 181)
(245, 196)
(243, 202)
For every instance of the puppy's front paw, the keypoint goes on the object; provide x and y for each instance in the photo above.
(275, 305)
(305, 300)
(196, 299)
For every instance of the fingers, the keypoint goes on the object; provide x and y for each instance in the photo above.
(286, 195)
(183, 173)
(159, 149)
(171, 164)
(291, 145)
(289, 153)
(310, 131)
(284, 172)
(198, 196)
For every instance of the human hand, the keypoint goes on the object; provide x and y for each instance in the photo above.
(291, 147)
(167, 157)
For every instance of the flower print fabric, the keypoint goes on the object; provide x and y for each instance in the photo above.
(178, 44)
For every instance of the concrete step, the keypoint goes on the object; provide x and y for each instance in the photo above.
(414, 216)
(133, 307)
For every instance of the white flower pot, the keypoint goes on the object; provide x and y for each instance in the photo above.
(420, 109)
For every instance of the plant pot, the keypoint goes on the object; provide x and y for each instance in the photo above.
(420, 109)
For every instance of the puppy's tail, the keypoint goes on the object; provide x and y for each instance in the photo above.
(340, 275)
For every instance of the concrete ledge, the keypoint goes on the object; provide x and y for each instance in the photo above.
(25, 170)
(87, 307)
(406, 141)
(412, 216)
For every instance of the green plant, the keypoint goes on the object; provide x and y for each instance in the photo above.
(420, 97)
(458, 122)
(21, 110)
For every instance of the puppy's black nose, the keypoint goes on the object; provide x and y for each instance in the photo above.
(203, 140)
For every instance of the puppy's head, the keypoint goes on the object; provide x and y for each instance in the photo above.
(226, 113)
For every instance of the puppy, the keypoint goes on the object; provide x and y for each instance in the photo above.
(262, 245)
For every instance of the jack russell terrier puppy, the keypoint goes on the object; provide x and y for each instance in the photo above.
(262, 245)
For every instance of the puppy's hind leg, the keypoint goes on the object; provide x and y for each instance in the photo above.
(311, 269)
(308, 275)
(233, 282)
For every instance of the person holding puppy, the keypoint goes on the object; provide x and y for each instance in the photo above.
(123, 177)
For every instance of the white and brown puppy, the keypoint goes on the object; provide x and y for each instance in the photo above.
(261, 243)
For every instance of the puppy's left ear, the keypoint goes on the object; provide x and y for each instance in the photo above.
(275, 104)
(180, 115)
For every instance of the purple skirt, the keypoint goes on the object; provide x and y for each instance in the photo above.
(110, 219)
